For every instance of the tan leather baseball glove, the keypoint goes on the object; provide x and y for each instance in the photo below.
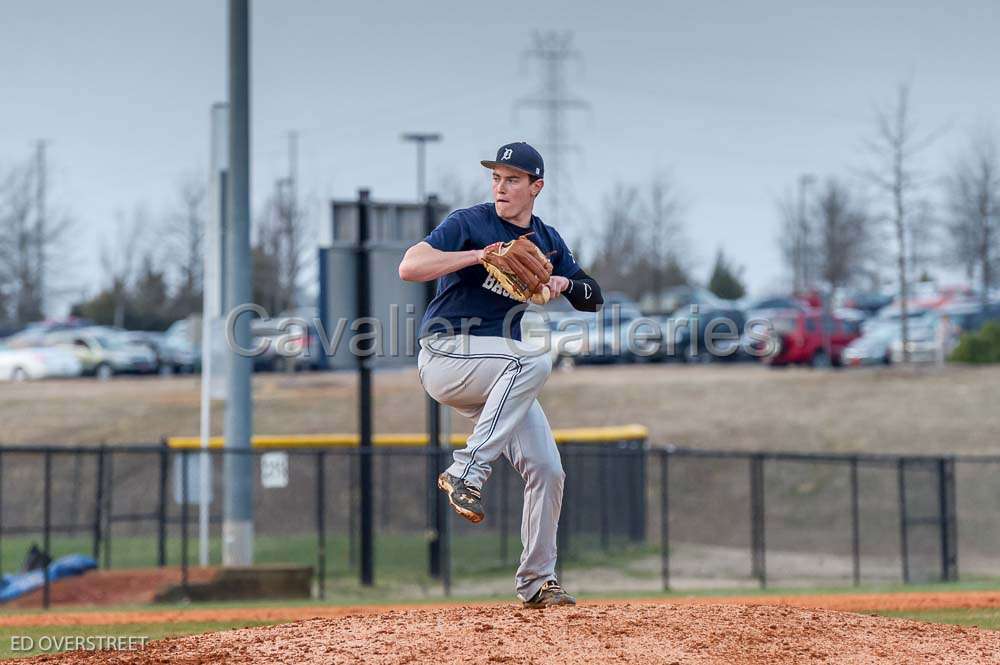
(520, 267)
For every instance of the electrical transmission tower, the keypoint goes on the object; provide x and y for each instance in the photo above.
(552, 51)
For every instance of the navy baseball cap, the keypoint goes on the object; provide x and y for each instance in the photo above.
(520, 156)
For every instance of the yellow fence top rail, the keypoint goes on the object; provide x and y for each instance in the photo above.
(576, 435)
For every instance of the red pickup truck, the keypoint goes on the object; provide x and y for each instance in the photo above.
(808, 336)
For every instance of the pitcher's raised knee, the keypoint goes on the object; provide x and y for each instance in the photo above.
(546, 474)
(537, 367)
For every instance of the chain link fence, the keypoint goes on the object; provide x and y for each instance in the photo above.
(635, 517)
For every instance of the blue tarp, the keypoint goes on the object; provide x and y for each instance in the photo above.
(18, 584)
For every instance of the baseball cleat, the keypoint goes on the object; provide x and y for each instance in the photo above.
(465, 499)
(550, 595)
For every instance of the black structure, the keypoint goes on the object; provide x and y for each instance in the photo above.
(363, 304)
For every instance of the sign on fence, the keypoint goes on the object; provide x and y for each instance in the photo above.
(274, 470)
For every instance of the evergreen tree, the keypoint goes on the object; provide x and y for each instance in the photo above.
(726, 281)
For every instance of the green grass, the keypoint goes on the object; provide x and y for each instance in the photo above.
(401, 559)
(981, 618)
(52, 639)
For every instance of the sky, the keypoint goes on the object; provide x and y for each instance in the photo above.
(732, 100)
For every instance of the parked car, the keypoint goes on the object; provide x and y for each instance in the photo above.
(872, 348)
(179, 346)
(103, 353)
(30, 363)
(868, 302)
(155, 342)
(776, 302)
(806, 337)
(726, 325)
(970, 316)
(33, 335)
(619, 333)
(674, 298)
(930, 339)
(292, 346)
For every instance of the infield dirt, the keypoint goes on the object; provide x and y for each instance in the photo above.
(598, 633)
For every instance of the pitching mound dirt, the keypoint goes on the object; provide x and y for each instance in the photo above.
(586, 634)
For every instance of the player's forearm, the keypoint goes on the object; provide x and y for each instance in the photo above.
(584, 293)
(422, 263)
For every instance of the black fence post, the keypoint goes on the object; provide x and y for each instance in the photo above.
(47, 529)
(437, 510)
(74, 505)
(758, 546)
(605, 523)
(161, 511)
(321, 522)
(637, 481)
(353, 505)
(98, 505)
(184, 520)
(952, 518)
(364, 394)
(665, 518)
(946, 519)
(109, 491)
(855, 524)
(904, 548)
(434, 513)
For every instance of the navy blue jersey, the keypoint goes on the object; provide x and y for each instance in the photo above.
(471, 294)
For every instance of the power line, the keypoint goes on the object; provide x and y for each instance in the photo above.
(552, 51)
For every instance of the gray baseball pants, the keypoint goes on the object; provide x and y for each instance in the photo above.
(495, 381)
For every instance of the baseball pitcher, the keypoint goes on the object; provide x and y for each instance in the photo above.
(491, 259)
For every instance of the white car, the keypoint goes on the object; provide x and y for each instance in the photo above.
(930, 340)
(872, 348)
(37, 363)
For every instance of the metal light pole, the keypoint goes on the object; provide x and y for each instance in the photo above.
(421, 139)
(237, 525)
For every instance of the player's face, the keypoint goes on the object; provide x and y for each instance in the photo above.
(513, 192)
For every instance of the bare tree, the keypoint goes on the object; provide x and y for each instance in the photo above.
(119, 256)
(280, 234)
(973, 192)
(663, 233)
(843, 239)
(894, 147)
(185, 233)
(32, 250)
(789, 243)
(17, 246)
(922, 242)
(619, 249)
(795, 243)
